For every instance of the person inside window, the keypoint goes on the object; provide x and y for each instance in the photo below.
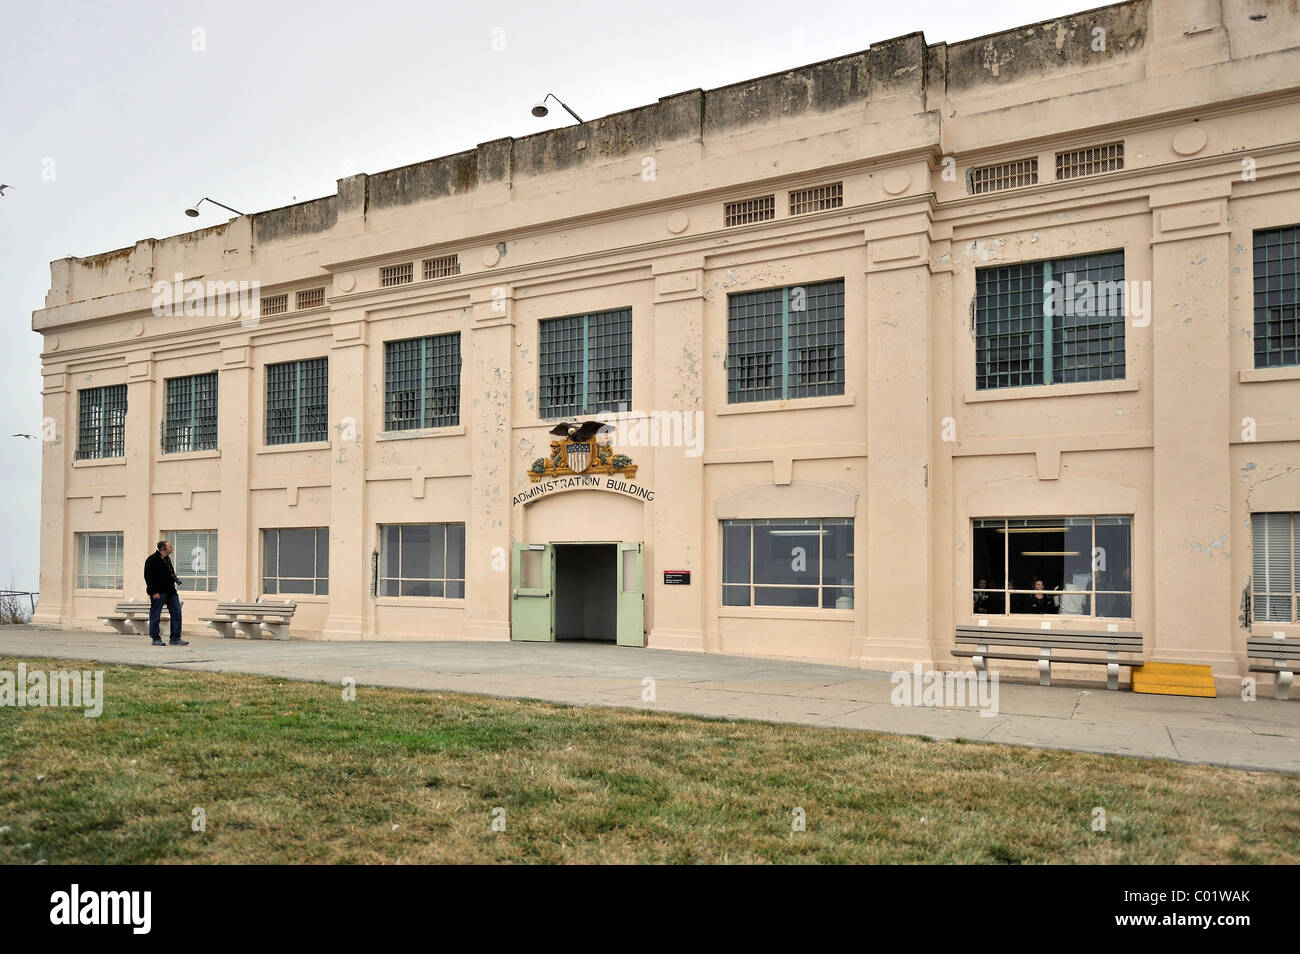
(981, 598)
(1041, 600)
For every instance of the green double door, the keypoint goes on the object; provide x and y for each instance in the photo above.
(535, 589)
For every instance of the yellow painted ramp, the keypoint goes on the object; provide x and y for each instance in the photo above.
(1174, 679)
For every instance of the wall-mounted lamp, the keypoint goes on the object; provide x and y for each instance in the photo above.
(193, 211)
(540, 109)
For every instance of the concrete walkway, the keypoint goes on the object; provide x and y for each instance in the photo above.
(1226, 731)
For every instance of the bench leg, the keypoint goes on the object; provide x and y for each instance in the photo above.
(121, 626)
(276, 630)
(978, 661)
(1045, 668)
(1112, 676)
(140, 627)
(1282, 685)
(223, 627)
(251, 630)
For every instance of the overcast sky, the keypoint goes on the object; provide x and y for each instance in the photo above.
(284, 98)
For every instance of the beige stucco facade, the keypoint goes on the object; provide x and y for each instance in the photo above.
(628, 212)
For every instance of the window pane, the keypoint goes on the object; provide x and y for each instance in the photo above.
(735, 596)
(837, 553)
(389, 552)
(837, 597)
(785, 596)
(455, 554)
(416, 552)
(456, 589)
(297, 554)
(735, 553)
(322, 552)
(1114, 555)
(269, 553)
(787, 551)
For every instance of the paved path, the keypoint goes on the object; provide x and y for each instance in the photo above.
(1225, 731)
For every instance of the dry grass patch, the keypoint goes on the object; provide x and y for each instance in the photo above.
(289, 772)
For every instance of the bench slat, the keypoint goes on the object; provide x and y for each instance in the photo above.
(1085, 660)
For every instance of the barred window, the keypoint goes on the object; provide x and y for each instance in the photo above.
(422, 559)
(190, 422)
(1090, 161)
(1050, 322)
(195, 559)
(310, 298)
(396, 275)
(1072, 566)
(422, 382)
(297, 401)
(296, 561)
(817, 199)
(1002, 175)
(101, 422)
(788, 563)
(444, 267)
(785, 342)
(585, 364)
(1277, 301)
(99, 561)
(748, 211)
(1276, 576)
(274, 305)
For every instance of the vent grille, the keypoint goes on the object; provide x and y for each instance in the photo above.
(747, 211)
(817, 199)
(1003, 175)
(443, 267)
(1091, 161)
(310, 298)
(275, 305)
(396, 275)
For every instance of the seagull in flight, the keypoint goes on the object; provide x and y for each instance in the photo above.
(4, 186)
(30, 437)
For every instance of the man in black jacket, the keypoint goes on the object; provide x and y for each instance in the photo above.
(160, 581)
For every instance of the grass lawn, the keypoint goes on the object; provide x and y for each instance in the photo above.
(289, 772)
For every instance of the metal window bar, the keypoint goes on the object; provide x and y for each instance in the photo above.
(786, 342)
(1276, 560)
(815, 317)
(297, 401)
(444, 267)
(1090, 161)
(274, 305)
(817, 198)
(748, 211)
(1277, 297)
(310, 298)
(190, 421)
(1050, 322)
(101, 422)
(391, 275)
(586, 363)
(1002, 175)
(422, 382)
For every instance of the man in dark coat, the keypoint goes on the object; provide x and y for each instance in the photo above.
(160, 582)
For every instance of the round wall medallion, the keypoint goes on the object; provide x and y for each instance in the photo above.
(896, 181)
(1189, 141)
(137, 329)
(677, 223)
(345, 282)
(491, 256)
(51, 342)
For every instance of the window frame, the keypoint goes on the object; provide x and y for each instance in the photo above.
(1293, 551)
(787, 354)
(82, 544)
(107, 437)
(819, 587)
(1042, 327)
(320, 582)
(194, 423)
(427, 344)
(1009, 596)
(381, 579)
(1265, 300)
(549, 363)
(298, 364)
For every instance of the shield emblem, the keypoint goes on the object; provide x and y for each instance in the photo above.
(578, 454)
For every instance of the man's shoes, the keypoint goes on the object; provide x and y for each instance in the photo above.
(158, 642)
(178, 642)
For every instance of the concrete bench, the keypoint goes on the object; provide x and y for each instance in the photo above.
(253, 620)
(1045, 641)
(131, 617)
(1285, 656)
